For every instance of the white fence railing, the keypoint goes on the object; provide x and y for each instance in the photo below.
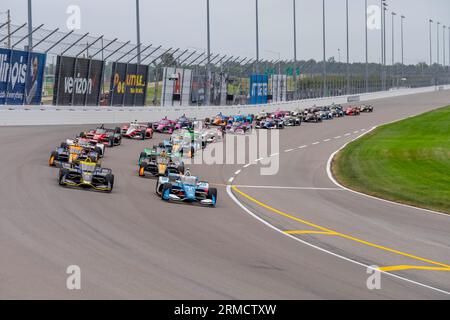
(60, 115)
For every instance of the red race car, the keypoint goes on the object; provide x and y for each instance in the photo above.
(137, 130)
(352, 111)
(110, 137)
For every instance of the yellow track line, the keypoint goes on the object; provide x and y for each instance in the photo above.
(370, 244)
(406, 267)
(308, 232)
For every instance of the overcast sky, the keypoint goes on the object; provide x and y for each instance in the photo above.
(182, 23)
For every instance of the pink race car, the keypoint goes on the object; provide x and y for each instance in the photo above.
(165, 126)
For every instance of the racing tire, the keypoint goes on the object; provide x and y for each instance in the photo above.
(142, 156)
(144, 134)
(181, 168)
(62, 173)
(167, 187)
(53, 157)
(117, 130)
(110, 180)
(99, 151)
(111, 142)
(64, 145)
(212, 195)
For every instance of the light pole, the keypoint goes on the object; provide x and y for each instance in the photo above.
(431, 44)
(30, 26)
(348, 51)
(393, 69)
(403, 48)
(208, 52)
(294, 74)
(208, 33)
(295, 30)
(443, 42)
(138, 32)
(437, 28)
(324, 51)
(367, 48)
(383, 44)
(257, 35)
(393, 38)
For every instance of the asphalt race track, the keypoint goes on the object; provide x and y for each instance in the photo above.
(130, 244)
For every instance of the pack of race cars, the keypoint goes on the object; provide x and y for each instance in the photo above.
(79, 159)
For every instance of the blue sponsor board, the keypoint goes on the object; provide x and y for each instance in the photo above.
(21, 78)
(258, 89)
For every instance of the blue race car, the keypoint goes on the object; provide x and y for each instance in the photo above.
(186, 188)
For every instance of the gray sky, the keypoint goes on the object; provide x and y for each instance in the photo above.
(182, 23)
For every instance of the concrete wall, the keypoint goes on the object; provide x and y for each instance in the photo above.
(51, 115)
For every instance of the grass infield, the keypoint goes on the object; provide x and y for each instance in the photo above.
(406, 162)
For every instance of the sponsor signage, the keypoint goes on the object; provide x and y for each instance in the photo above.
(21, 77)
(128, 84)
(279, 88)
(176, 89)
(258, 89)
(77, 81)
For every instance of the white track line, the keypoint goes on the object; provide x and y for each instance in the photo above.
(237, 172)
(288, 150)
(331, 177)
(302, 147)
(231, 180)
(291, 188)
(232, 196)
(315, 143)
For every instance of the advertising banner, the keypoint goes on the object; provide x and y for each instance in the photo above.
(279, 88)
(77, 81)
(21, 79)
(219, 89)
(176, 90)
(128, 84)
(258, 89)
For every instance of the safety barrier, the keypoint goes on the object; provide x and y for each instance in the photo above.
(65, 115)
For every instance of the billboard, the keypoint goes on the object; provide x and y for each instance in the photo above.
(219, 89)
(176, 90)
(21, 78)
(77, 81)
(279, 88)
(258, 89)
(128, 84)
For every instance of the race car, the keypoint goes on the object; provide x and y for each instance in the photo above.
(239, 128)
(184, 123)
(137, 130)
(164, 126)
(312, 117)
(157, 162)
(211, 135)
(337, 111)
(270, 124)
(292, 120)
(219, 120)
(366, 108)
(186, 188)
(352, 111)
(73, 151)
(111, 137)
(86, 175)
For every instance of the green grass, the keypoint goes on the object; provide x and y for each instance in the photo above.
(407, 162)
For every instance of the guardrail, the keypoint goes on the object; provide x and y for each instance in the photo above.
(66, 115)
